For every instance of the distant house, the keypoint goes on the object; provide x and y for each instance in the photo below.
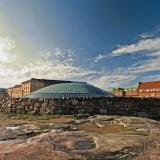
(125, 92)
(3, 93)
(32, 85)
(118, 92)
(149, 89)
(15, 91)
(131, 92)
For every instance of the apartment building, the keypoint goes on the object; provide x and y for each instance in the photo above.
(15, 91)
(133, 92)
(118, 92)
(125, 92)
(149, 89)
(31, 85)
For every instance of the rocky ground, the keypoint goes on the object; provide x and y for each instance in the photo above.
(93, 138)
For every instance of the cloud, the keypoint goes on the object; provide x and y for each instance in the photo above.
(61, 53)
(145, 35)
(99, 57)
(150, 34)
(108, 81)
(150, 77)
(44, 55)
(47, 69)
(6, 45)
(149, 45)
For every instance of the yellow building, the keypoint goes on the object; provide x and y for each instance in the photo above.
(31, 85)
(15, 92)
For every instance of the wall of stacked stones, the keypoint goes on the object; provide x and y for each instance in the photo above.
(146, 107)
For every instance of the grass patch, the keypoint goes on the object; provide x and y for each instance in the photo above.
(112, 128)
(35, 117)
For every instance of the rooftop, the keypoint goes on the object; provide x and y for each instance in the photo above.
(149, 85)
(69, 90)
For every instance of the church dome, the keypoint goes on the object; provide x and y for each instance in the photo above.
(69, 90)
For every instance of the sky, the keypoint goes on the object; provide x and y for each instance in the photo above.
(107, 43)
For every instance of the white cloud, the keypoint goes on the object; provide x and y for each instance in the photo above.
(47, 69)
(44, 55)
(150, 34)
(146, 35)
(149, 45)
(99, 57)
(6, 45)
(59, 52)
(108, 81)
(62, 53)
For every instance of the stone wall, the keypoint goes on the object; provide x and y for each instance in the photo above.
(146, 107)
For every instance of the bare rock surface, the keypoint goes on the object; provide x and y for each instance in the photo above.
(93, 138)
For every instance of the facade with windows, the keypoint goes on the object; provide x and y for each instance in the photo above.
(149, 89)
(125, 92)
(32, 85)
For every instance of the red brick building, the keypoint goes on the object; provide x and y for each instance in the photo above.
(131, 93)
(125, 92)
(149, 89)
(119, 93)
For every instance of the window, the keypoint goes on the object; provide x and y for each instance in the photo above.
(158, 94)
(152, 94)
(140, 95)
(146, 95)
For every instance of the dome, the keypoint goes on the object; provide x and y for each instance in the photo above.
(69, 90)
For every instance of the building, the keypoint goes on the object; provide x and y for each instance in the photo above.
(3, 93)
(149, 89)
(131, 92)
(69, 90)
(118, 92)
(15, 91)
(125, 92)
(32, 85)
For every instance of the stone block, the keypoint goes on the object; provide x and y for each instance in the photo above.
(37, 104)
(57, 107)
(86, 107)
(44, 104)
(79, 107)
(142, 114)
(81, 111)
(136, 108)
(103, 107)
(57, 104)
(41, 100)
(66, 112)
(31, 107)
(74, 111)
(102, 102)
(90, 110)
(20, 107)
(97, 107)
(128, 109)
(74, 102)
(60, 111)
(51, 110)
(103, 111)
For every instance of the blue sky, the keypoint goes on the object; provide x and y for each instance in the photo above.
(107, 43)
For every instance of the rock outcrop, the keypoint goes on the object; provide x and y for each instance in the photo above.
(94, 138)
